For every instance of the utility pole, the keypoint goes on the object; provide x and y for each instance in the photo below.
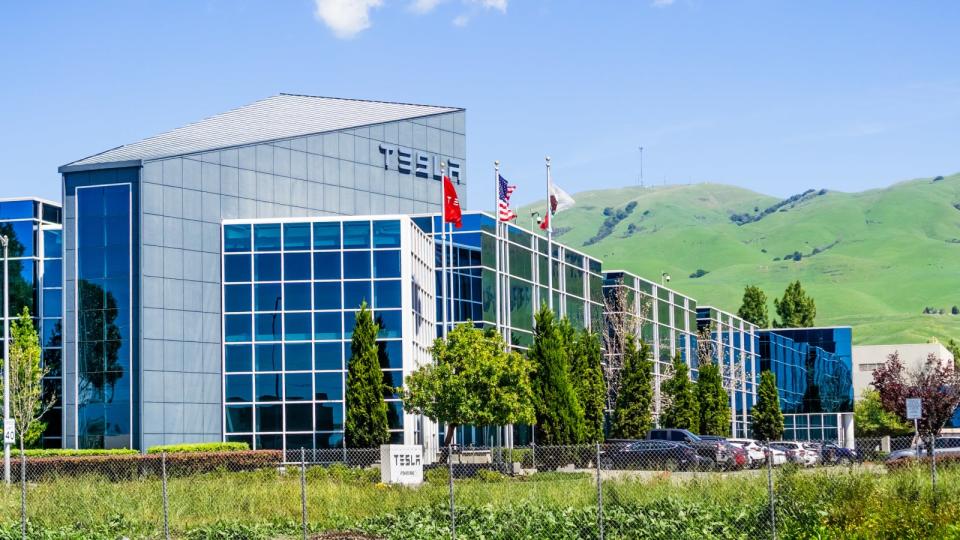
(641, 166)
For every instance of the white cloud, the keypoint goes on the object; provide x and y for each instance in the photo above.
(663, 3)
(424, 6)
(461, 20)
(499, 5)
(346, 18)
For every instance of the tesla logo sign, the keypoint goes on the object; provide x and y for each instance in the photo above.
(421, 164)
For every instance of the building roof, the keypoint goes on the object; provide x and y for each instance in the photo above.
(278, 117)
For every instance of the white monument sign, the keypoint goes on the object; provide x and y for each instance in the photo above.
(401, 464)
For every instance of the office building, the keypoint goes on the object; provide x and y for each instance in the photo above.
(913, 356)
(734, 346)
(142, 244)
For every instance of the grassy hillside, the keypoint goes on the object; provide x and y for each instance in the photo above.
(873, 259)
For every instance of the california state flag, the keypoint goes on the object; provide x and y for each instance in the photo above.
(560, 200)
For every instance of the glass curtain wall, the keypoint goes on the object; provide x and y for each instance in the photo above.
(735, 344)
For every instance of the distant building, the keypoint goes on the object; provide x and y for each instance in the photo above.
(867, 358)
(735, 347)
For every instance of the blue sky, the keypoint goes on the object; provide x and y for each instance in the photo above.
(773, 96)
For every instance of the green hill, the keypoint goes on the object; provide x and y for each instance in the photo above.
(874, 260)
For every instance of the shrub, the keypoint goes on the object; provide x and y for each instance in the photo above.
(133, 466)
(200, 447)
(72, 452)
(948, 460)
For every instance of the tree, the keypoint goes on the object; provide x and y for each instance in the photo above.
(560, 418)
(632, 417)
(796, 309)
(936, 383)
(27, 402)
(872, 420)
(754, 306)
(767, 416)
(472, 380)
(681, 410)
(713, 402)
(954, 349)
(366, 423)
(586, 371)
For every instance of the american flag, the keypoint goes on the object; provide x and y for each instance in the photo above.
(504, 211)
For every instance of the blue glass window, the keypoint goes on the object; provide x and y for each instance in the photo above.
(238, 358)
(329, 386)
(326, 295)
(356, 234)
(328, 356)
(239, 418)
(296, 236)
(296, 266)
(395, 414)
(266, 237)
(327, 326)
(298, 386)
(236, 298)
(236, 268)
(51, 303)
(269, 418)
(330, 440)
(326, 235)
(19, 209)
(296, 296)
(297, 326)
(269, 357)
(386, 264)
(237, 328)
(391, 354)
(267, 296)
(269, 442)
(300, 418)
(386, 234)
(239, 388)
(355, 293)
(269, 387)
(390, 323)
(298, 356)
(329, 416)
(387, 294)
(391, 381)
(356, 264)
(298, 440)
(236, 238)
(53, 273)
(349, 322)
(266, 267)
(52, 244)
(269, 326)
(326, 265)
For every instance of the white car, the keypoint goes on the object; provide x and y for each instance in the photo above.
(754, 451)
(796, 453)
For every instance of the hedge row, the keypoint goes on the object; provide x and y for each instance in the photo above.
(200, 447)
(72, 452)
(946, 460)
(134, 466)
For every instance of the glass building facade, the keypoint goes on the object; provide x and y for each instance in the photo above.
(663, 317)
(813, 367)
(735, 344)
(291, 292)
(34, 228)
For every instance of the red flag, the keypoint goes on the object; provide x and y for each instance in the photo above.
(451, 204)
(545, 224)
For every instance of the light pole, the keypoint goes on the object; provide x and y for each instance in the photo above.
(664, 278)
(6, 359)
(641, 166)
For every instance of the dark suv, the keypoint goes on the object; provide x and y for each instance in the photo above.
(717, 453)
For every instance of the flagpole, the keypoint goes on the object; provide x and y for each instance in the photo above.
(549, 241)
(496, 238)
(450, 272)
(443, 247)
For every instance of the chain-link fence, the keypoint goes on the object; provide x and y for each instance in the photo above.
(619, 489)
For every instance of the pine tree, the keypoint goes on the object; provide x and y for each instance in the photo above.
(754, 306)
(796, 309)
(767, 416)
(713, 401)
(366, 422)
(586, 372)
(682, 410)
(560, 418)
(632, 418)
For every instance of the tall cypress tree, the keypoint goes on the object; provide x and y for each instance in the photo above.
(713, 401)
(586, 373)
(366, 420)
(682, 410)
(767, 416)
(560, 417)
(796, 309)
(754, 306)
(632, 417)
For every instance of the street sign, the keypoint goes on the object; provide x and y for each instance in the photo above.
(9, 431)
(914, 409)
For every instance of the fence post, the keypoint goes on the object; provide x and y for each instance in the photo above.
(533, 456)
(771, 494)
(23, 494)
(933, 468)
(163, 483)
(599, 495)
(303, 490)
(453, 515)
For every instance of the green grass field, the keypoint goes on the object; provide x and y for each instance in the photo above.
(884, 255)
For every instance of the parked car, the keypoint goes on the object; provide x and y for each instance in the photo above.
(779, 456)
(814, 451)
(718, 454)
(741, 459)
(796, 453)
(945, 446)
(833, 454)
(651, 455)
(754, 451)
